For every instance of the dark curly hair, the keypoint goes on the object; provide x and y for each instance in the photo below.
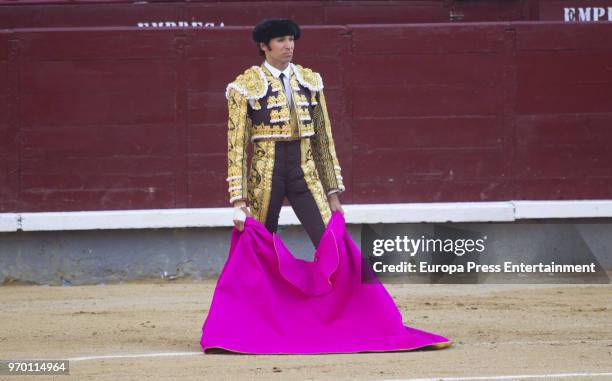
(271, 28)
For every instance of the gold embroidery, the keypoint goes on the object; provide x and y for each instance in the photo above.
(324, 151)
(308, 78)
(304, 113)
(281, 115)
(252, 84)
(238, 126)
(313, 98)
(260, 179)
(307, 130)
(301, 100)
(312, 180)
(309, 119)
(277, 84)
(277, 101)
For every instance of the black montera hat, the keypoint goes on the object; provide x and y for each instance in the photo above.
(271, 28)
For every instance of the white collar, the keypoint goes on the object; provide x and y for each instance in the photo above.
(276, 73)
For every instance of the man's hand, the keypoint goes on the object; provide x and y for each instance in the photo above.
(334, 203)
(242, 205)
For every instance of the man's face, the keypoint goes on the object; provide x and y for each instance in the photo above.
(279, 50)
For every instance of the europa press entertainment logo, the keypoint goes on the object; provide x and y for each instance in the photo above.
(392, 253)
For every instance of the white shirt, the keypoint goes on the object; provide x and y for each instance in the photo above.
(276, 73)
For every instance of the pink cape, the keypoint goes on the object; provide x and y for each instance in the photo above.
(266, 301)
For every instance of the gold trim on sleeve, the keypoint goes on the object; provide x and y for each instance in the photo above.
(238, 126)
(324, 150)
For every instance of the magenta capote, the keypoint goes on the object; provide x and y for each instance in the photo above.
(266, 301)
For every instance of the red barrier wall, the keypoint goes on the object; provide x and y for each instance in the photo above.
(103, 119)
(58, 13)
(197, 13)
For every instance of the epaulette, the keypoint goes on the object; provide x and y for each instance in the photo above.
(252, 83)
(308, 78)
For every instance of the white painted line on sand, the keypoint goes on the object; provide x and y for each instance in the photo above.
(537, 342)
(163, 354)
(136, 355)
(508, 377)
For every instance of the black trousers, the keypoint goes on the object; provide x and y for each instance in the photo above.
(288, 180)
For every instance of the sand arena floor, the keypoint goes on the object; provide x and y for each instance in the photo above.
(151, 331)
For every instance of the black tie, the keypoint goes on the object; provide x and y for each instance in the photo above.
(282, 78)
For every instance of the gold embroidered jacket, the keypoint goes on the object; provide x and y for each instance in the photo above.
(258, 109)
